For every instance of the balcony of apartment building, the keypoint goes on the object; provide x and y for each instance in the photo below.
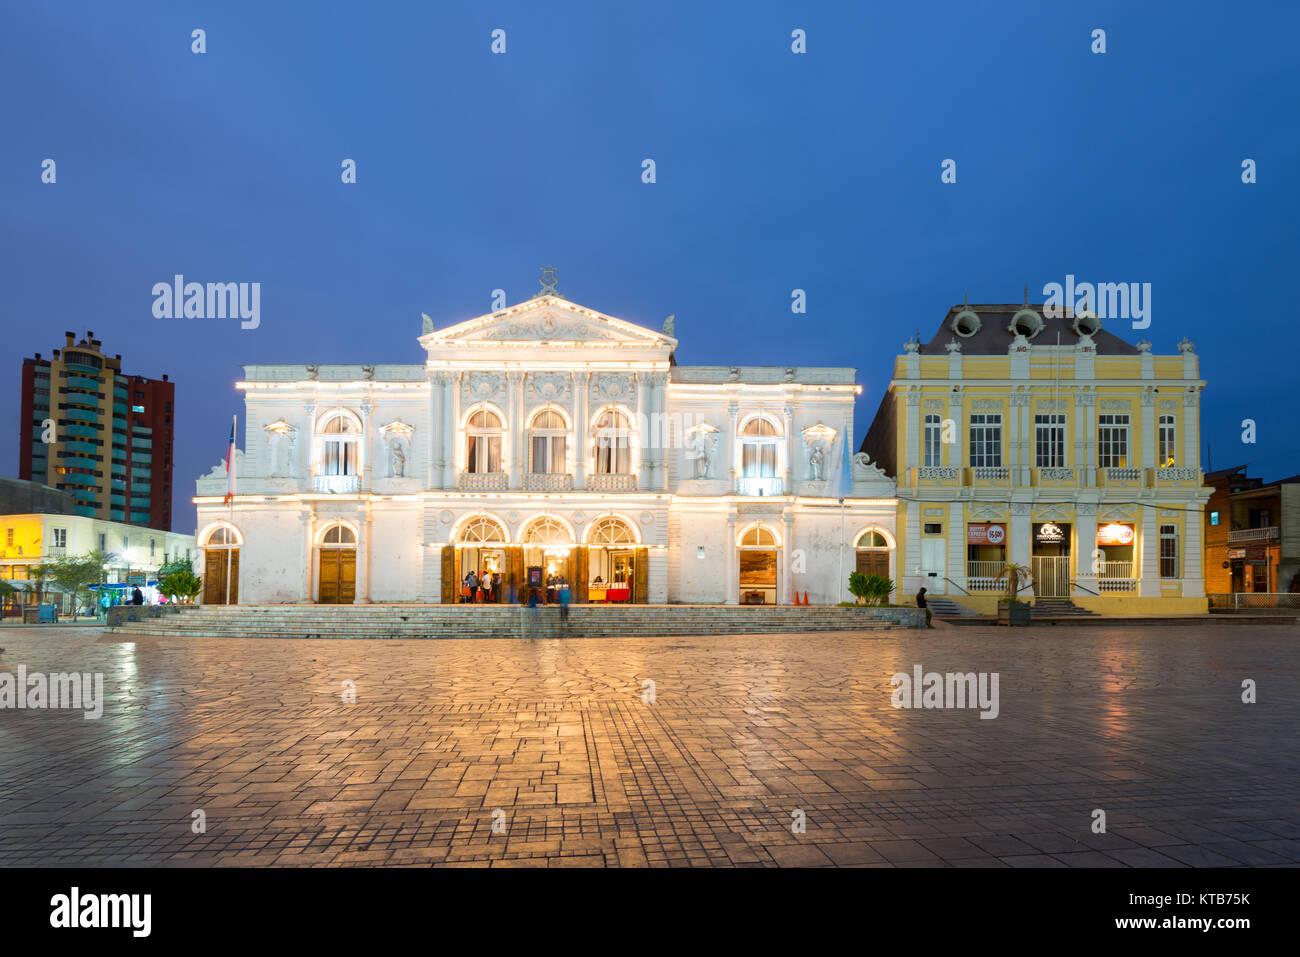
(988, 476)
(339, 484)
(1267, 535)
(611, 482)
(482, 482)
(1057, 477)
(936, 476)
(1113, 577)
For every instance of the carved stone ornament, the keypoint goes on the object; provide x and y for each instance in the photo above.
(397, 437)
(614, 386)
(482, 386)
(282, 442)
(701, 443)
(550, 386)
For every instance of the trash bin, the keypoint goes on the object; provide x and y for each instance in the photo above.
(49, 614)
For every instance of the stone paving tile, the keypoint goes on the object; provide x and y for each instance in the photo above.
(551, 741)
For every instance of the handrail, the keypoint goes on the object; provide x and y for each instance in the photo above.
(955, 585)
(1085, 588)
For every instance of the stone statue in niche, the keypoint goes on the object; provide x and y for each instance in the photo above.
(701, 441)
(817, 462)
(397, 441)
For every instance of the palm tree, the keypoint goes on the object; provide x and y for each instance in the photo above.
(1017, 577)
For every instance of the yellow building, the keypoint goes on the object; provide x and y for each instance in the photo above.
(1016, 436)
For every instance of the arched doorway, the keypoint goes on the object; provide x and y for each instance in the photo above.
(481, 547)
(758, 558)
(337, 559)
(221, 566)
(613, 565)
(548, 555)
(873, 553)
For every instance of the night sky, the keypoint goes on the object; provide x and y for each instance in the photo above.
(775, 171)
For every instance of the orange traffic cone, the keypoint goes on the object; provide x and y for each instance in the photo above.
(805, 597)
(796, 599)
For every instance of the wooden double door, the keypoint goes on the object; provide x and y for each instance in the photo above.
(873, 563)
(218, 563)
(338, 576)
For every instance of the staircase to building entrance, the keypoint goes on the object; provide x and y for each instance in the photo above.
(1057, 608)
(510, 621)
(942, 607)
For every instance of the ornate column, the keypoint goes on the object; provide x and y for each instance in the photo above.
(309, 553)
(788, 479)
(1020, 549)
(363, 443)
(1085, 569)
(449, 432)
(914, 424)
(1149, 549)
(733, 410)
(954, 413)
(453, 431)
(1086, 426)
(733, 581)
(514, 427)
(1192, 556)
(1191, 457)
(362, 596)
(1148, 459)
(1021, 460)
(665, 436)
(643, 430)
(581, 427)
(434, 456)
(787, 573)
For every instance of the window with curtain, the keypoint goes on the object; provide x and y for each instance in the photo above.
(548, 441)
(613, 444)
(339, 448)
(933, 440)
(758, 449)
(1168, 452)
(483, 442)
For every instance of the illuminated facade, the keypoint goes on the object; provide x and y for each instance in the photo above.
(546, 439)
(1046, 442)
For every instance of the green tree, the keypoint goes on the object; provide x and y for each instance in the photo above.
(173, 566)
(72, 574)
(181, 585)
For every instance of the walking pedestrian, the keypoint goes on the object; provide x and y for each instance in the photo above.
(564, 601)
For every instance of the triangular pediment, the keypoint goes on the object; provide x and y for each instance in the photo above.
(548, 319)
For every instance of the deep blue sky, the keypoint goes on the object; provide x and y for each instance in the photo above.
(775, 171)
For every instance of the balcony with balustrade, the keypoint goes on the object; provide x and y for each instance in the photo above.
(759, 485)
(936, 476)
(548, 482)
(1269, 535)
(1120, 477)
(611, 482)
(482, 481)
(1175, 477)
(337, 484)
(989, 476)
(1054, 478)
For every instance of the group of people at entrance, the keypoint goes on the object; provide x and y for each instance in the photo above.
(484, 587)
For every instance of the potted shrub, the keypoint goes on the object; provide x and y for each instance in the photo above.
(181, 586)
(1011, 610)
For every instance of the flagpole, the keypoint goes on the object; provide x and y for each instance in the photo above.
(230, 503)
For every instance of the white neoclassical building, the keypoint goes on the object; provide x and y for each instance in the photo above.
(546, 440)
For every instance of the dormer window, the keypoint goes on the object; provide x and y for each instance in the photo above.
(1026, 323)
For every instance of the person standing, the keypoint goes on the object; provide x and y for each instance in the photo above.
(564, 601)
(920, 603)
(137, 597)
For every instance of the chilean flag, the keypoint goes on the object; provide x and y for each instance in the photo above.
(230, 464)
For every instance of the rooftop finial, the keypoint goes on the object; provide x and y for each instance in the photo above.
(548, 281)
(1026, 294)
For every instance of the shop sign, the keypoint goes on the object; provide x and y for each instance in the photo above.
(1115, 534)
(1049, 533)
(1236, 553)
(986, 534)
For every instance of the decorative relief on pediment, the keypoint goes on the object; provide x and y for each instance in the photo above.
(613, 386)
(544, 327)
(1115, 513)
(482, 387)
(549, 386)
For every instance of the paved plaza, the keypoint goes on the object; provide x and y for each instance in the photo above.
(558, 743)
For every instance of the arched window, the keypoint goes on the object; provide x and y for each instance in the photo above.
(547, 531)
(548, 439)
(483, 442)
(758, 537)
(613, 444)
(221, 537)
(339, 536)
(610, 531)
(480, 531)
(871, 539)
(339, 446)
(759, 439)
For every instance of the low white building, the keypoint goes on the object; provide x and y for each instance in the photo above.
(548, 440)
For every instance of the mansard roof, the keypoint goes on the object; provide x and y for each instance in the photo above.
(994, 337)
